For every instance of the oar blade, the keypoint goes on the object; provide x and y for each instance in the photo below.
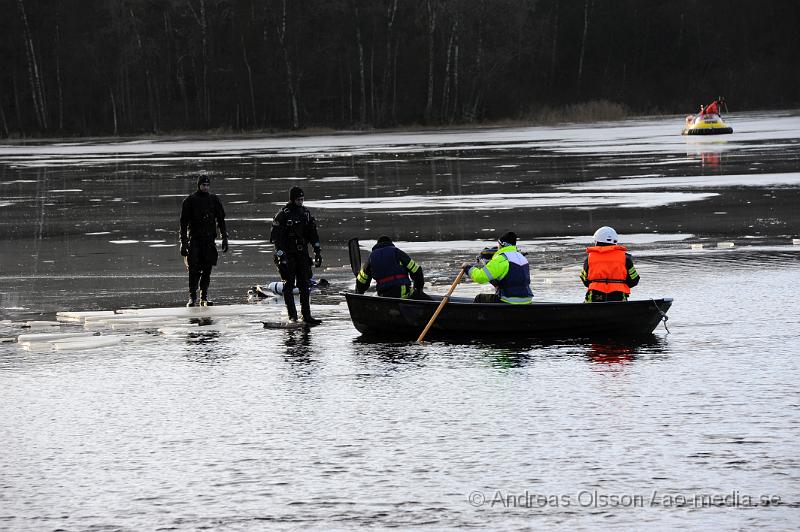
(355, 255)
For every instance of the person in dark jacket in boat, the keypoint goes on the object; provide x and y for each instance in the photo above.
(393, 270)
(508, 271)
(608, 271)
(201, 214)
(293, 229)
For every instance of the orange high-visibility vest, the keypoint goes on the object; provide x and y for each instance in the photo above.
(607, 271)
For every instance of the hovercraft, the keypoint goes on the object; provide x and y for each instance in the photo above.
(706, 124)
(708, 121)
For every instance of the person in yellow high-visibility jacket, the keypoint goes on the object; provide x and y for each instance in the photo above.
(508, 271)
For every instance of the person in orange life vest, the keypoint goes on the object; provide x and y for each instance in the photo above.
(393, 271)
(608, 271)
(508, 271)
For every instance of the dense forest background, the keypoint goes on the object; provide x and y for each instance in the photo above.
(96, 67)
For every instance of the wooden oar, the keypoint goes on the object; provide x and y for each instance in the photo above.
(445, 299)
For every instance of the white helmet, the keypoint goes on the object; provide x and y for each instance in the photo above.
(605, 235)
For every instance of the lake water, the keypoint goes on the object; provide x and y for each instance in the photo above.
(224, 424)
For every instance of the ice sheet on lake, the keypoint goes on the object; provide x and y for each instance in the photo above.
(648, 135)
(512, 201)
(694, 181)
(472, 246)
(337, 179)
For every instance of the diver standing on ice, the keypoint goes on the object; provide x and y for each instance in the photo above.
(201, 213)
(293, 229)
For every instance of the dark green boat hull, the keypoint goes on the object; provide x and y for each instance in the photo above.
(386, 316)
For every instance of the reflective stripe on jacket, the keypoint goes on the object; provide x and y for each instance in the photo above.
(515, 287)
(607, 272)
(510, 272)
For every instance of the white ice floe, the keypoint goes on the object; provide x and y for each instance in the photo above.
(80, 316)
(471, 246)
(337, 179)
(247, 242)
(89, 343)
(512, 201)
(691, 182)
(640, 135)
(47, 337)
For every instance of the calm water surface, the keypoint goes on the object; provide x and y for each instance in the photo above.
(231, 426)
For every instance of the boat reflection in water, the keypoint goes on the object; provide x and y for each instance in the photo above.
(623, 351)
(711, 160)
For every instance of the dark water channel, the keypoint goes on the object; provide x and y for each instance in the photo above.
(231, 426)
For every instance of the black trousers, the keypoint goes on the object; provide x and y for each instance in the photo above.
(296, 271)
(487, 298)
(201, 276)
(201, 260)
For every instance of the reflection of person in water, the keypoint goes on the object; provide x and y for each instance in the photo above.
(610, 353)
(711, 160)
(298, 346)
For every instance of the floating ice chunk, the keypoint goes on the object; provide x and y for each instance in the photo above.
(46, 337)
(691, 182)
(336, 179)
(38, 324)
(80, 316)
(495, 202)
(88, 343)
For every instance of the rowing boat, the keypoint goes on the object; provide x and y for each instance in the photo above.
(386, 316)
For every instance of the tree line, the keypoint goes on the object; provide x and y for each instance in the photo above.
(112, 67)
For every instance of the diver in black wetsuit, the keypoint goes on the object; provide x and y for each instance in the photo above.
(201, 213)
(293, 228)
